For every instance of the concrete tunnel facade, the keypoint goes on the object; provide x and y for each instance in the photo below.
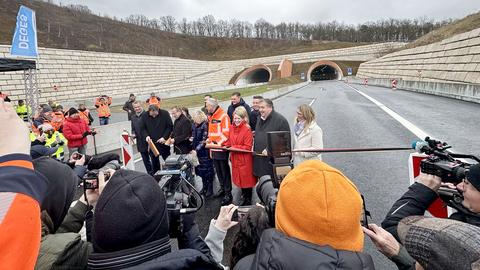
(254, 74)
(324, 70)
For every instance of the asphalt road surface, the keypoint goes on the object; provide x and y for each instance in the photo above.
(349, 119)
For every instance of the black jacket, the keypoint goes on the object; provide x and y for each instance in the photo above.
(414, 203)
(278, 251)
(274, 122)
(253, 119)
(137, 130)
(129, 107)
(158, 127)
(193, 253)
(232, 108)
(182, 131)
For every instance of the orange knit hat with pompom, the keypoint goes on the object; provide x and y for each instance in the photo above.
(318, 204)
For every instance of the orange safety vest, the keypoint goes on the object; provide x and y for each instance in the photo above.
(218, 126)
(57, 120)
(84, 116)
(154, 101)
(103, 109)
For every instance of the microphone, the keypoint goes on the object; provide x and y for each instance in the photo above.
(421, 147)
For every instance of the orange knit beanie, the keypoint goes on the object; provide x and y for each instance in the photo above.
(318, 204)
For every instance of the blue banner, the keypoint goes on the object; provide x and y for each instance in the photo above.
(24, 41)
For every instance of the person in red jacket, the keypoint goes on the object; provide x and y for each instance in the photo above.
(21, 193)
(76, 131)
(241, 137)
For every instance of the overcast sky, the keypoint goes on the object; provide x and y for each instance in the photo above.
(275, 11)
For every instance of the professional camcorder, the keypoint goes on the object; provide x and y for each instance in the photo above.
(441, 162)
(450, 167)
(177, 182)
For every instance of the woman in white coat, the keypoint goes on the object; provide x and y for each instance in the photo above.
(307, 135)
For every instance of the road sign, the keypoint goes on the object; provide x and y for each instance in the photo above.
(302, 76)
(349, 71)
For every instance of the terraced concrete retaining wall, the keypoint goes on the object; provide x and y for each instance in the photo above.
(67, 75)
(453, 60)
(467, 92)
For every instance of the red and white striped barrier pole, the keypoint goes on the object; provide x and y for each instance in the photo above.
(127, 151)
(365, 81)
(394, 84)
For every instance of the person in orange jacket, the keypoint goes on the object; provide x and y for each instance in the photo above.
(103, 109)
(218, 133)
(21, 192)
(154, 100)
(85, 114)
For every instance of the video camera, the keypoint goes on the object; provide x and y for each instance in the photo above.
(176, 180)
(441, 162)
(448, 167)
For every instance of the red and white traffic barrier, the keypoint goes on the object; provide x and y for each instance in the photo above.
(394, 84)
(127, 151)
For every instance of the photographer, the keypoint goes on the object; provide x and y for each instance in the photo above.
(142, 240)
(423, 193)
(317, 222)
(61, 244)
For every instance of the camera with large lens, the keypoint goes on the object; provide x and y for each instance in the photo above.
(450, 167)
(268, 195)
(176, 179)
(441, 162)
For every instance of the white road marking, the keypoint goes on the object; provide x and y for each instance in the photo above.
(137, 160)
(409, 125)
(311, 102)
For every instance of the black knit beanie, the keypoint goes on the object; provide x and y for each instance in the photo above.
(473, 175)
(72, 111)
(131, 211)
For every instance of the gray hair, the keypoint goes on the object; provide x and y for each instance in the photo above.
(212, 102)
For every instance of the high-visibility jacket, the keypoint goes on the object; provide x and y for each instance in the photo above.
(57, 120)
(33, 137)
(218, 126)
(22, 193)
(154, 101)
(103, 108)
(85, 116)
(52, 142)
(22, 111)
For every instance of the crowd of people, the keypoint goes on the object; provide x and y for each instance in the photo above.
(315, 222)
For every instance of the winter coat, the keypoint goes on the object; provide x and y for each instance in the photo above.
(128, 106)
(232, 108)
(139, 133)
(310, 137)
(73, 130)
(158, 127)
(242, 163)
(253, 119)
(61, 246)
(64, 249)
(22, 190)
(182, 131)
(414, 203)
(278, 251)
(195, 255)
(200, 135)
(274, 122)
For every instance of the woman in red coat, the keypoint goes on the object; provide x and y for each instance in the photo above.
(76, 130)
(242, 163)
